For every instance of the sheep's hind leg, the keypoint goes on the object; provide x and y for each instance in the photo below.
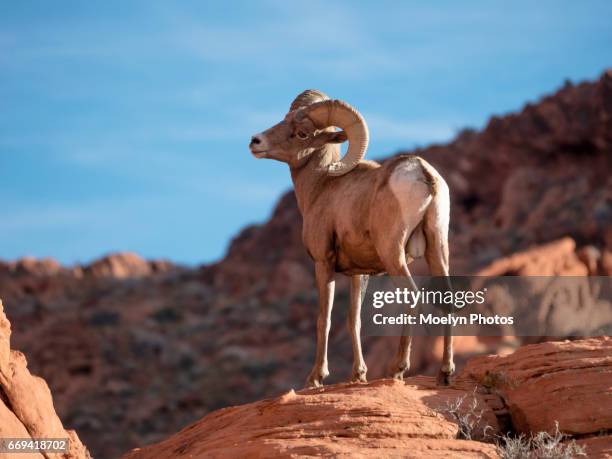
(436, 254)
(391, 248)
(325, 284)
(402, 280)
(359, 284)
(397, 268)
(408, 195)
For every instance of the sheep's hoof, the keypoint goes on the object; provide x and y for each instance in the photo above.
(313, 383)
(443, 378)
(397, 371)
(315, 378)
(399, 375)
(359, 373)
(359, 377)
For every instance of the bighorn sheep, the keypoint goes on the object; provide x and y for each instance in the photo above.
(360, 218)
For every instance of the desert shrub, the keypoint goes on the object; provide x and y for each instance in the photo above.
(540, 445)
(467, 416)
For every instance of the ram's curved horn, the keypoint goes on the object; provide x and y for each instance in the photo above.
(308, 97)
(340, 114)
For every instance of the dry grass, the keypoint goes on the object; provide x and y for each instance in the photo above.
(541, 445)
(468, 417)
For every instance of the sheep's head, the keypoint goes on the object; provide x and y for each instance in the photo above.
(309, 126)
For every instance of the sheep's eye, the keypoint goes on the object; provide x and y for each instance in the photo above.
(301, 135)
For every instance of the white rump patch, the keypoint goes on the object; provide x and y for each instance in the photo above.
(410, 187)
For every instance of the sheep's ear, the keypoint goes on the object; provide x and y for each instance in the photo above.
(337, 137)
(330, 137)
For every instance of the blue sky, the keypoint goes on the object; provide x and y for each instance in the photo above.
(124, 125)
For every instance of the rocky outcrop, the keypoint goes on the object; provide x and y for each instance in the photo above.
(124, 265)
(597, 447)
(33, 266)
(385, 418)
(536, 387)
(568, 382)
(26, 405)
(558, 258)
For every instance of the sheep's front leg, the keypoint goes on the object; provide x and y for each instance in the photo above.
(325, 284)
(358, 287)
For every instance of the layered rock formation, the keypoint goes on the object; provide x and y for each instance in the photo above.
(384, 418)
(566, 382)
(537, 386)
(26, 406)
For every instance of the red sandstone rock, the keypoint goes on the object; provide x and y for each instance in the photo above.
(384, 418)
(26, 406)
(598, 447)
(606, 263)
(557, 258)
(565, 382)
(42, 267)
(119, 265)
(569, 382)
